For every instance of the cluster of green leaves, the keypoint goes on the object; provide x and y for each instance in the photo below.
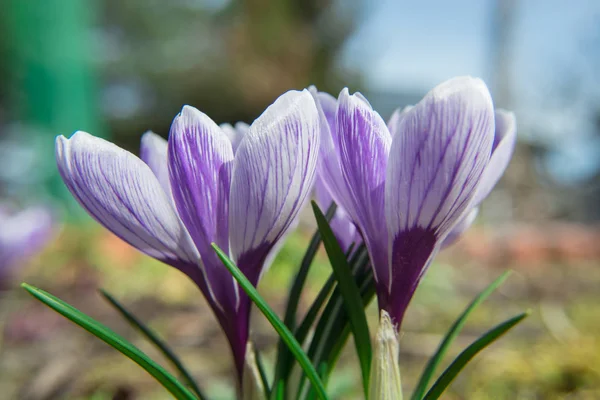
(313, 342)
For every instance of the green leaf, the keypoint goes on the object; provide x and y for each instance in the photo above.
(178, 390)
(161, 345)
(463, 358)
(263, 373)
(284, 364)
(452, 333)
(279, 326)
(333, 328)
(350, 294)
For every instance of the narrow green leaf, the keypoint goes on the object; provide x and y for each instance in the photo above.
(332, 329)
(154, 339)
(279, 326)
(454, 331)
(263, 373)
(283, 365)
(350, 294)
(463, 358)
(178, 390)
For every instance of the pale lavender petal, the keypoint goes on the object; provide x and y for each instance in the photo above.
(462, 225)
(120, 191)
(22, 235)
(273, 173)
(438, 155)
(439, 151)
(235, 134)
(200, 160)
(502, 151)
(329, 163)
(153, 151)
(363, 147)
(344, 229)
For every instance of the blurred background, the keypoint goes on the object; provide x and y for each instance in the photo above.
(118, 68)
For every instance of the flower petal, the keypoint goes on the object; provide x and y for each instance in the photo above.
(439, 152)
(153, 151)
(235, 134)
(460, 228)
(120, 191)
(23, 234)
(342, 226)
(273, 173)
(363, 145)
(502, 151)
(200, 159)
(329, 168)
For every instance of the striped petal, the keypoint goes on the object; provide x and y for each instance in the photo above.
(463, 224)
(504, 145)
(439, 152)
(329, 168)
(121, 192)
(273, 174)
(235, 133)
(153, 151)
(200, 159)
(363, 145)
(342, 226)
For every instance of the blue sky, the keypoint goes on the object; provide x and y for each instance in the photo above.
(415, 45)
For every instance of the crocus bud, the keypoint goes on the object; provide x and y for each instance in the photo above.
(385, 371)
(252, 386)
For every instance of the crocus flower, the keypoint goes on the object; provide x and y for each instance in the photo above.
(193, 191)
(22, 234)
(410, 184)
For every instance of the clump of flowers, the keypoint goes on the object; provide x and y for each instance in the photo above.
(216, 203)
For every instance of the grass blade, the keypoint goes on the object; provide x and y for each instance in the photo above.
(154, 339)
(283, 366)
(279, 326)
(350, 294)
(452, 333)
(263, 373)
(463, 358)
(178, 390)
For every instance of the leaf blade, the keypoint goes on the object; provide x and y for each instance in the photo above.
(178, 390)
(279, 326)
(452, 333)
(350, 295)
(466, 355)
(154, 339)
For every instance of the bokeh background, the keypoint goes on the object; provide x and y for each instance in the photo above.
(118, 68)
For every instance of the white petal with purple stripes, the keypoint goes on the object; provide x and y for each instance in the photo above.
(122, 193)
(273, 173)
(439, 151)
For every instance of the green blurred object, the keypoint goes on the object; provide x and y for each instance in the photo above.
(53, 86)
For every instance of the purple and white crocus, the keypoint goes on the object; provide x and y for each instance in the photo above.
(240, 188)
(22, 234)
(412, 185)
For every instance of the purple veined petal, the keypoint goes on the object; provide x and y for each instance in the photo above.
(439, 151)
(153, 151)
(235, 134)
(504, 145)
(344, 229)
(397, 117)
(460, 228)
(363, 145)
(329, 168)
(200, 160)
(438, 155)
(273, 174)
(121, 192)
